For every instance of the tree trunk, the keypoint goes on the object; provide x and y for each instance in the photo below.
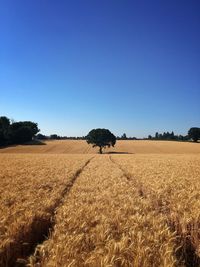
(100, 150)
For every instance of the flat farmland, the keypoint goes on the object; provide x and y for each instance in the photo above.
(138, 205)
(128, 146)
(31, 189)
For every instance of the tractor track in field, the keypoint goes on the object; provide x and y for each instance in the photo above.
(186, 253)
(36, 231)
(130, 178)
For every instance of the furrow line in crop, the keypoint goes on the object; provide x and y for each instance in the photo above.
(187, 241)
(103, 222)
(142, 192)
(16, 252)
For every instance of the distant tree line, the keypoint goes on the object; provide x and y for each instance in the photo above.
(16, 132)
(58, 137)
(124, 137)
(12, 132)
(168, 136)
(193, 134)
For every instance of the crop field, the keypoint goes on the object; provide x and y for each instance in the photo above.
(31, 189)
(123, 147)
(138, 207)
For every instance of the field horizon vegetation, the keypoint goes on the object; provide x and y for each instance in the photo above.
(63, 204)
(27, 132)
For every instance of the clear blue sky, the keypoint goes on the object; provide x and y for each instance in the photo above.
(130, 66)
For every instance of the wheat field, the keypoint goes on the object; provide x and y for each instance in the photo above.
(31, 189)
(138, 207)
(128, 146)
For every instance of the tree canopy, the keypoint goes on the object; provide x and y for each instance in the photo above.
(16, 132)
(4, 130)
(194, 133)
(102, 138)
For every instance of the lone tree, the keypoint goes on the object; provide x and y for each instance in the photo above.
(194, 133)
(101, 138)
